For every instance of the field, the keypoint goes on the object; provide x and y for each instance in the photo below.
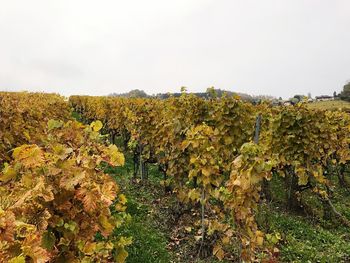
(331, 105)
(105, 179)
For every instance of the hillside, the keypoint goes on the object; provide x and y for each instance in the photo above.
(331, 105)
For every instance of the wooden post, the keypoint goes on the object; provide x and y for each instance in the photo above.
(257, 129)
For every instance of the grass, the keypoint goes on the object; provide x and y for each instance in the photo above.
(330, 105)
(149, 241)
(307, 238)
(305, 241)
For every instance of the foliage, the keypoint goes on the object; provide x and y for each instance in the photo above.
(55, 198)
(136, 93)
(24, 116)
(249, 170)
(345, 94)
(204, 149)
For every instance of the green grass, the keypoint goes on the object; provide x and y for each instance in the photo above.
(304, 241)
(149, 244)
(307, 238)
(149, 241)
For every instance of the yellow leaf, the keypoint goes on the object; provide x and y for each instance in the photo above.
(89, 197)
(27, 180)
(206, 171)
(69, 181)
(29, 155)
(228, 140)
(122, 254)
(8, 173)
(122, 199)
(302, 176)
(195, 144)
(245, 183)
(218, 252)
(108, 192)
(192, 173)
(206, 180)
(96, 125)
(120, 207)
(26, 134)
(225, 240)
(194, 194)
(106, 224)
(62, 151)
(259, 238)
(188, 229)
(125, 241)
(182, 196)
(116, 157)
(237, 182)
(260, 241)
(32, 248)
(89, 248)
(193, 160)
(19, 259)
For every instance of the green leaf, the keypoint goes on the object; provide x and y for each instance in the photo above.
(48, 240)
(71, 226)
(53, 124)
(8, 173)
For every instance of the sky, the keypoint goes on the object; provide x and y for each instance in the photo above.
(259, 47)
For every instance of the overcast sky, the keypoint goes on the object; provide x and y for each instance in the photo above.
(275, 47)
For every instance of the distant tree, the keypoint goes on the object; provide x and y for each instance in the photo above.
(217, 93)
(136, 93)
(280, 98)
(183, 89)
(211, 92)
(345, 94)
(334, 94)
(264, 97)
(299, 97)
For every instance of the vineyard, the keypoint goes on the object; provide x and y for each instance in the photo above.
(229, 168)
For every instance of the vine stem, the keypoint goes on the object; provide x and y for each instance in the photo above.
(257, 129)
(202, 219)
(342, 218)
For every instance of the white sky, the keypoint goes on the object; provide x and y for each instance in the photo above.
(275, 47)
